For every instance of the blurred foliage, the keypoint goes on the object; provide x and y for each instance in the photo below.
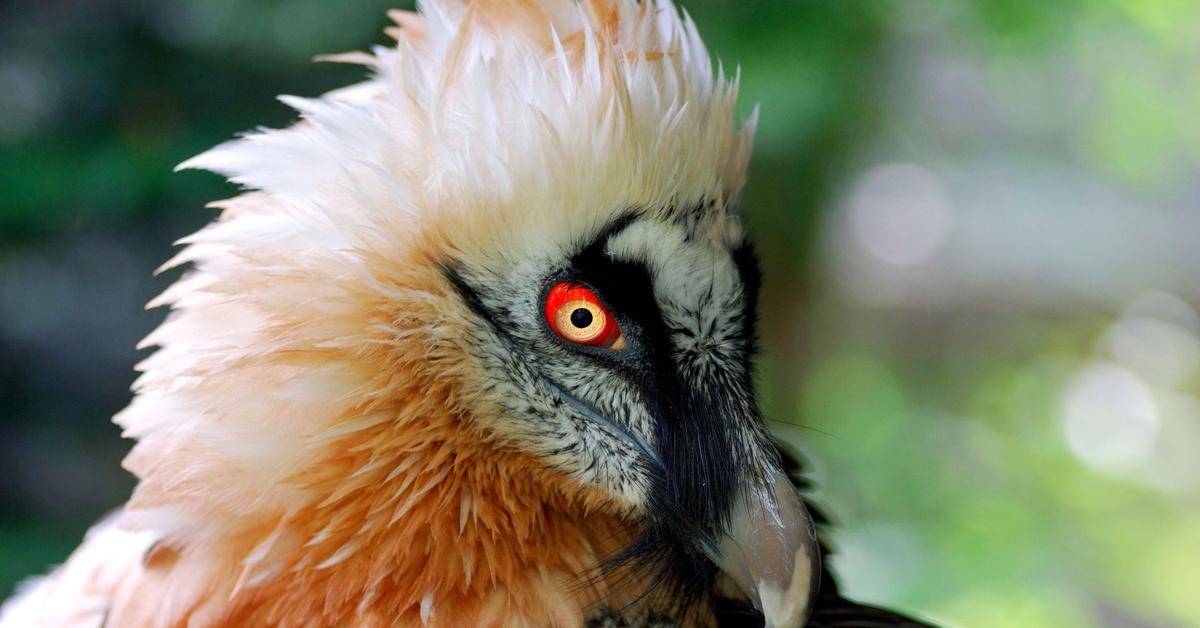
(938, 421)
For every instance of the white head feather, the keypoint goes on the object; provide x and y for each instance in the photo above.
(492, 133)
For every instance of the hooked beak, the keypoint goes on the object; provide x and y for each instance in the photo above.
(770, 550)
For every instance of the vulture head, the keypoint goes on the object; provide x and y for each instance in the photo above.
(472, 347)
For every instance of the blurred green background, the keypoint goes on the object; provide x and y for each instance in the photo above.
(981, 236)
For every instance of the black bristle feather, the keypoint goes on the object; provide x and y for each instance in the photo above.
(692, 491)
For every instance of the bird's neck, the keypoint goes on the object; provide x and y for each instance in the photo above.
(440, 523)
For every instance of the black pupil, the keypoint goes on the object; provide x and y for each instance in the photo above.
(581, 317)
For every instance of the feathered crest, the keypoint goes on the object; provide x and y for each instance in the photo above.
(306, 338)
(480, 103)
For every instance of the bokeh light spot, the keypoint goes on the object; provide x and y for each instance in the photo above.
(900, 214)
(1109, 418)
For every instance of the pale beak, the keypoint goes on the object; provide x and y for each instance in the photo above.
(771, 552)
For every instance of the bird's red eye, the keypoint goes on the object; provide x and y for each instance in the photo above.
(575, 314)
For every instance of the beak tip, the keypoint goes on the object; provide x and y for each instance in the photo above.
(789, 608)
(772, 553)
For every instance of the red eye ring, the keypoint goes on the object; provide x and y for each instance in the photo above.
(575, 314)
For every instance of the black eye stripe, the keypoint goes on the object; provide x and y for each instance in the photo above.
(472, 298)
(627, 291)
(695, 419)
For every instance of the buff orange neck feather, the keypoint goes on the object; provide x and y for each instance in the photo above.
(405, 513)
